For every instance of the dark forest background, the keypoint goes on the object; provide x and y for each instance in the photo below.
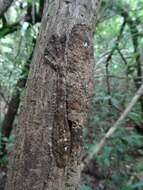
(118, 44)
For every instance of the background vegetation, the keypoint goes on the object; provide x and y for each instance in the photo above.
(118, 43)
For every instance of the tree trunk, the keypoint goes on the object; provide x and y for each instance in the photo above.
(48, 149)
(7, 123)
(4, 5)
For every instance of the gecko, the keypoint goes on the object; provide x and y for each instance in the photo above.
(61, 134)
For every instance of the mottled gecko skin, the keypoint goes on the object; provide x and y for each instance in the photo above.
(61, 137)
(71, 97)
(67, 130)
(61, 133)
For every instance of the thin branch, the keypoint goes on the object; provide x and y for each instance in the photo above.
(110, 57)
(112, 130)
(108, 84)
(3, 97)
(118, 77)
(122, 56)
(9, 29)
(114, 14)
(132, 24)
(33, 12)
(116, 43)
(111, 76)
(4, 21)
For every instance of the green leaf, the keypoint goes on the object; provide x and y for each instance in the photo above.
(85, 187)
(5, 139)
(11, 138)
(137, 185)
(29, 1)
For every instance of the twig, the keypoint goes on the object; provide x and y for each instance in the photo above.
(3, 97)
(122, 56)
(8, 29)
(114, 76)
(33, 12)
(109, 58)
(112, 130)
(116, 43)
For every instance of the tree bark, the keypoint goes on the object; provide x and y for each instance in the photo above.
(4, 5)
(7, 124)
(48, 149)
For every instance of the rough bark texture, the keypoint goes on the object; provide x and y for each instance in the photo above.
(48, 150)
(4, 5)
(13, 106)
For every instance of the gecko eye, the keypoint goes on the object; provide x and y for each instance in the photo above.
(66, 148)
(85, 44)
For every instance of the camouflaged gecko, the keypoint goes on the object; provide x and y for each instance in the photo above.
(61, 134)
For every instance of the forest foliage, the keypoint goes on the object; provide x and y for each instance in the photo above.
(118, 45)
